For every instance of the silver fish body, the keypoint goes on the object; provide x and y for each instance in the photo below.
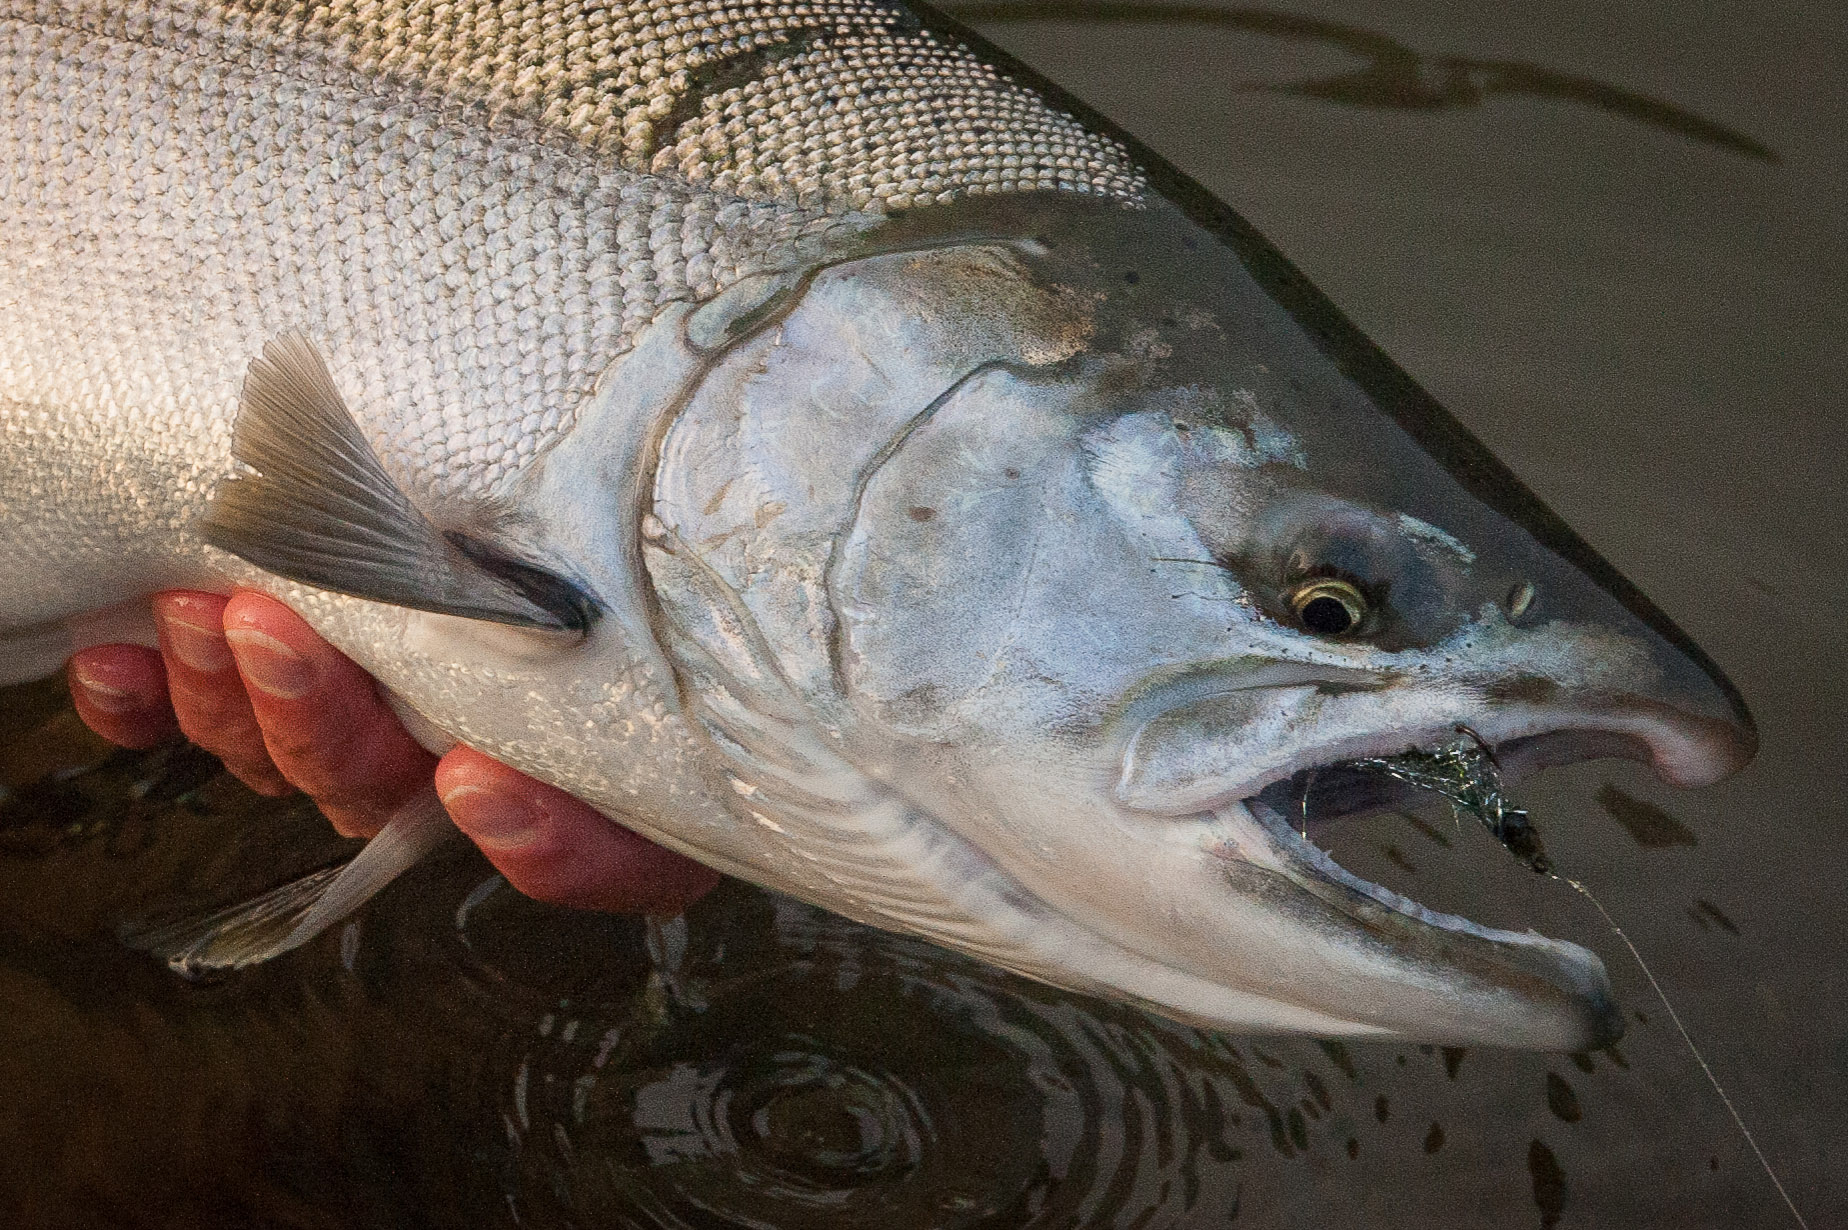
(939, 484)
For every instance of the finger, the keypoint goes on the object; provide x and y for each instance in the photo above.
(552, 847)
(208, 694)
(326, 726)
(121, 693)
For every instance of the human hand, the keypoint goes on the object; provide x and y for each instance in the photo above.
(249, 681)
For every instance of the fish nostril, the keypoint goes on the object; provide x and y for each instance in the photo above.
(1521, 599)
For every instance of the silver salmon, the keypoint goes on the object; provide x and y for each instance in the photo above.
(820, 445)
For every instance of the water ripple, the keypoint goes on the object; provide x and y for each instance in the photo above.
(797, 1070)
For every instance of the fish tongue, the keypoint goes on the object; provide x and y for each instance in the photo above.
(1466, 774)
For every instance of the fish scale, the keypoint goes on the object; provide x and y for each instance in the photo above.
(846, 104)
(464, 202)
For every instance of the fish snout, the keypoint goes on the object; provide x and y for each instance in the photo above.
(1694, 726)
(1704, 748)
(1617, 678)
(1616, 656)
(1683, 750)
(1689, 732)
(1720, 730)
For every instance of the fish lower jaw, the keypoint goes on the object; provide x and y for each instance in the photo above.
(1266, 838)
(1520, 741)
(1426, 974)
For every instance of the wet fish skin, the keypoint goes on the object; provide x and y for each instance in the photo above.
(460, 211)
(877, 424)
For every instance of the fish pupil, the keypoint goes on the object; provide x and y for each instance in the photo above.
(1326, 616)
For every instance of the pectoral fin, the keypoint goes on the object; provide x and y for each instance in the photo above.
(322, 510)
(285, 918)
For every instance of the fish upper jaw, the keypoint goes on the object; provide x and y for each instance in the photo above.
(1226, 748)
(1552, 694)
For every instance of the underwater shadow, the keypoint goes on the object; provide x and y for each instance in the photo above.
(1392, 75)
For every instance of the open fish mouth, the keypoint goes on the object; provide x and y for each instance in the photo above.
(1366, 953)
(1299, 809)
(1465, 772)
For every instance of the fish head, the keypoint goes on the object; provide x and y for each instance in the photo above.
(1088, 546)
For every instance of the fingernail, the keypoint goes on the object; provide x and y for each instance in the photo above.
(107, 698)
(269, 665)
(203, 649)
(495, 819)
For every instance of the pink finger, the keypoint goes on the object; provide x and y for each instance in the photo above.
(325, 724)
(554, 848)
(121, 693)
(208, 694)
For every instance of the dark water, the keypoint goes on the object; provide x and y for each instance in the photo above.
(1614, 244)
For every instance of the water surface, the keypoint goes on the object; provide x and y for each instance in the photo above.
(1613, 243)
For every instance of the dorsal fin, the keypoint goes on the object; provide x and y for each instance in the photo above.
(322, 510)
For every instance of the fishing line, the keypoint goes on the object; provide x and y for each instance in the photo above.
(1307, 787)
(1693, 1050)
(1466, 773)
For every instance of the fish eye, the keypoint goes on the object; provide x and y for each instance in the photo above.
(1328, 606)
